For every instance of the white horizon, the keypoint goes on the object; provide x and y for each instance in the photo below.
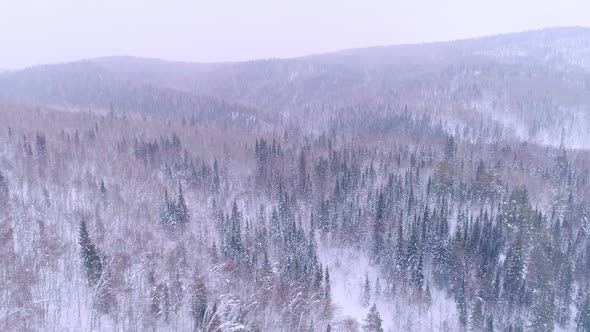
(36, 32)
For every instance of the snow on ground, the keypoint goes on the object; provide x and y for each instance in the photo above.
(348, 270)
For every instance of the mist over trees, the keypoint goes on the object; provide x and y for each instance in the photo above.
(126, 206)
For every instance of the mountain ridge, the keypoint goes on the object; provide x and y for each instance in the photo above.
(501, 77)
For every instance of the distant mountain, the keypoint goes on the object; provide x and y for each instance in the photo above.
(535, 83)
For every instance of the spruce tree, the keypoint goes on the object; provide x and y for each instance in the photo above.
(366, 293)
(90, 256)
(167, 212)
(103, 189)
(378, 230)
(233, 246)
(327, 290)
(373, 322)
(181, 211)
(461, 301)
(418, 274)
(583, 318)
(514, 267)
(216, 179)
(4, 193)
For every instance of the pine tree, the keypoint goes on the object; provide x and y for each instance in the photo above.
(275, 227)
(372, 323)
(181, 211)
(400, 250)
(378, 230)
(583, 318)
(427, 296)
(461, 301)
(366, 293)
(327, 292)
(450, 148)
(216, 180)
(477, 315)
(319, 279)
(4, 193)
(514, 267)
(440, 254)
(543, 310)
(167, 212)
(412, 260)
(233, 246)
(311, 260)
(302, 175)
(541, 288)
(490, 324)
(377, 288)
(90, 256)
(418, 274)
(103, 189)
(566, 293)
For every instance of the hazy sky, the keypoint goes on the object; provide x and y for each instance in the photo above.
(35, 31)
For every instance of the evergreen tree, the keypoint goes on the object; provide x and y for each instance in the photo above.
(583, 318)
(103, 189)
(461, 301)
(372, 323)
(541, 288)
(377, 288)
(440, 254)
(450, 148)
(378, 231)
(216, 179)
(167, 212)
(302, 175)
(327, 291)
(90, 256)
(366, 292)
(311, 259)
(490, 324)
(181, 211)
(566, 293)
(543, 310)
(400, 251)
(318, 282)
(418, 274)
(4, 193)
(275, 227)
(514, 267)
(233, 246)
(477, 315)
(412, 260)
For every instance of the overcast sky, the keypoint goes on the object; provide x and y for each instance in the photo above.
(35, 31)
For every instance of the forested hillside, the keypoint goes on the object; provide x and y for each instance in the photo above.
(368, 195)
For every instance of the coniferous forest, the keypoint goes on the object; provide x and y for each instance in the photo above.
(326, 193)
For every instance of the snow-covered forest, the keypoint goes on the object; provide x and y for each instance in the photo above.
(340, 192)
